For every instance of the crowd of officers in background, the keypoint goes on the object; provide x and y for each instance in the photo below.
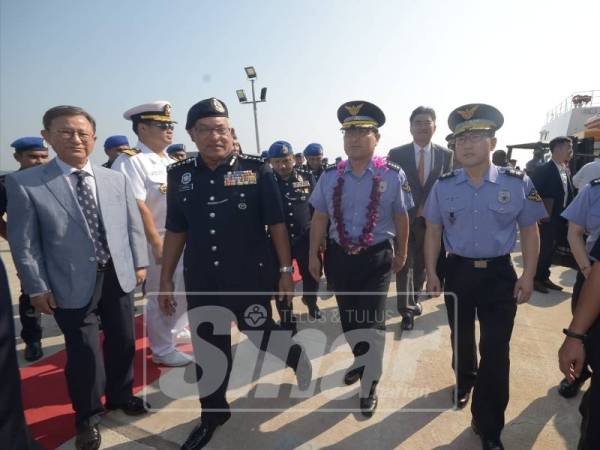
(429, 215)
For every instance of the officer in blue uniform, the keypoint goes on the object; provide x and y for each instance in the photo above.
(113, 146)
(364, 201)
(29, 152)
(295, 186)
(478, 209)
(314, 159)
(219, 205)
(583, 214)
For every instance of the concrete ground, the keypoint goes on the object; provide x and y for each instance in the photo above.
(415, 406)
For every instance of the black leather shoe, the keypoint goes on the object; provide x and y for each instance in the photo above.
(314, 311)
(418, 309)
(303, 371)
(88, 438)
(550, 285)
(570, 390)
(540, 287)
(408, 320)
(33, 351)
(353, 375)
(202, 433)
(368, 405)
(134, 406)
(486, 442)
(462, 399)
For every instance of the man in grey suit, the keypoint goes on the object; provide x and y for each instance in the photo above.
(78, 242)
(423, 162)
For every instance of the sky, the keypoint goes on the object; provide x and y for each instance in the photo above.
(523, 57)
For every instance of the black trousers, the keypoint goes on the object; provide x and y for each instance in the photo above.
(549, 234)
(487, 293)
(361, 283)
(210, 319)
(31, 321)
(91, 373)
(590, 403)
(410, 280)
(300, 250)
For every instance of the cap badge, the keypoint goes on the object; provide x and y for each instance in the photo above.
(284, 149)
(167, 110)
(467, 113)
(217, 105)
(354, 109)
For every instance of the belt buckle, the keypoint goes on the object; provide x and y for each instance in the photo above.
(480, 264)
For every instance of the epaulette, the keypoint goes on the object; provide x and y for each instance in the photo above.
(182, 163)
(253, 158)
(595, 182)
(394, 166)
(512, 172)
(130, 151)
(447, 175)
(330, 167)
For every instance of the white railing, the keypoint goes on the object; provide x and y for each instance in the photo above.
(582, 99)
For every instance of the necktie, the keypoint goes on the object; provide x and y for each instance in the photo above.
(86, 200)
(421, 167)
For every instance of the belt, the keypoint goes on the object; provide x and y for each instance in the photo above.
(481, 263)
(372, 249)
(105, 267)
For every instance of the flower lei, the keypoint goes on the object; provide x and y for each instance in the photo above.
(366, 238)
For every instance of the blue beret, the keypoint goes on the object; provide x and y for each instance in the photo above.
(264, 154)
(115, 141)
(313, 149)
(28, 143)
(280, 149)
(175, 148)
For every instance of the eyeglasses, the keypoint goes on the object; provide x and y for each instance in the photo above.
(221, 131)
(162, 125)
(70, 134)
(474, 138)
(357, 132)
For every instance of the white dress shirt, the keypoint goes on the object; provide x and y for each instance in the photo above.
(564, 177)
(72, 180)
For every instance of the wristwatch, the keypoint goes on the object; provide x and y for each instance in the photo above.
(286, 269)
(572, 334)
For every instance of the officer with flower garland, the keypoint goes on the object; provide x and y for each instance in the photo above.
(365, 200)
(477, 209)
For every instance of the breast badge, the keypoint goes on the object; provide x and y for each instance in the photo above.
(504, 196)
(163, 188)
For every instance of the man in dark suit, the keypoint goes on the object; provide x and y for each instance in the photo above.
(77, 239)
(553, 183)
(423, 162)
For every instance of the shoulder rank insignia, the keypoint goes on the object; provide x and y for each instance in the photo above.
(130, 151)
(595, 182)
(330, 167)
(406, 186)
(534, 196)
(392, 165)
(447, 175)
(512, 173)
(185, 162)
(255, 158)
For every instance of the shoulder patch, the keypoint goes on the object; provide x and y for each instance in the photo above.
(185, 162)
(130, 151)
(595, 182)
(447, 175)
(330, 167)
(254, 158)
(406, 186)
(534, 196)
(512, 173)
(392, 165)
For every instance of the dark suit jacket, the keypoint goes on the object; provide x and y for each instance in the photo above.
(546, 180)
(405, 157)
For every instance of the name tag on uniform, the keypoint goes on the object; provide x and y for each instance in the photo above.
(185, 187)
(301, 184)
(240, 178)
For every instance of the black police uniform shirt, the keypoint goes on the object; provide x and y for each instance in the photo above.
(3, 197)
(295, 192)
(225, 213)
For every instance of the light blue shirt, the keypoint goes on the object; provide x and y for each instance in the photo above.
(481, 222)
(584, 210)
(395, 198)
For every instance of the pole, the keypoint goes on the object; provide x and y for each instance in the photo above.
(255, 118)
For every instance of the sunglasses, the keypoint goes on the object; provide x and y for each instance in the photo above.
(162, 125)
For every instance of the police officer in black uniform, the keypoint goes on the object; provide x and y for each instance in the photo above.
(296, 186)
(29, 152)
(218, 206)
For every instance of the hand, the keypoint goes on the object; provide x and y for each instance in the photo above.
(314, 267)
(523, 289)
(166, 301)
(434, 287)
(323, 246)
(586, 271)
(398, 262)
(571, 357)
(140, 276)
(44, 303)
(286, 287)
(157, 252)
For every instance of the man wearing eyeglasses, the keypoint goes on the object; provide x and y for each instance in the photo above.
(146, 171)
(478, 209)
(219, 206)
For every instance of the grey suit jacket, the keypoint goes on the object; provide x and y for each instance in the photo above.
(405, 157)
(50, 240)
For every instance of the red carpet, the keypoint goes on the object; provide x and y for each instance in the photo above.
(46, 400)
